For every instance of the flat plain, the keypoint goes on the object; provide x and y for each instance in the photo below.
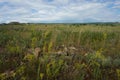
(60, 51)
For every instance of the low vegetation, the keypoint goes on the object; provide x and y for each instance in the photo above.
(60, 51)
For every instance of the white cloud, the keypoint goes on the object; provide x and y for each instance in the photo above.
(57, 10)
(117, 4)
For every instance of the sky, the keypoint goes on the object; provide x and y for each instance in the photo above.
(59, 11)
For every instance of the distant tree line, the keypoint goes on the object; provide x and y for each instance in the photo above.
(72, 24)
(98, 24)
(14, 23)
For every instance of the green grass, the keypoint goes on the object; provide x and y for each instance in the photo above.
(67, 52)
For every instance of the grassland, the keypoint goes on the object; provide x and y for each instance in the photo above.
(60, 52)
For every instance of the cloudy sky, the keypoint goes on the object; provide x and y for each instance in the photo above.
(59, 11)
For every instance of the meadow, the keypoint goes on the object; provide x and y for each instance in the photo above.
(60, 51)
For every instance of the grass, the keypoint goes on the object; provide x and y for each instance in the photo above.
(65, 52)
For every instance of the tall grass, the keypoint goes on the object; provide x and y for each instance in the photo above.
(67, 52)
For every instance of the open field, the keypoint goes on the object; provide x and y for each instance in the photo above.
(60, 52)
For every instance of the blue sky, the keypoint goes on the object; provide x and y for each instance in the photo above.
(59, 11)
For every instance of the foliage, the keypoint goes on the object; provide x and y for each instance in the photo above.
(66, 51)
